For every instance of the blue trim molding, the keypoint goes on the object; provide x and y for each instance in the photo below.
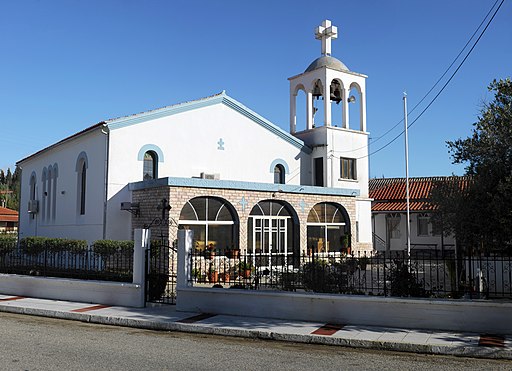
(238, 185)
(150, 147)
(221, 98)
(282, 162)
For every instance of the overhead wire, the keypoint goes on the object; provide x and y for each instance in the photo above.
(442, 89)
(433, 86)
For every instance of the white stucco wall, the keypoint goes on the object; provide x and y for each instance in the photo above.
(429, 241)
(189, 144)
(67, 222)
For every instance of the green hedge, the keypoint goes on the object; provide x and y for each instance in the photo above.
(37, 245)
(7, 244)
(107, 248)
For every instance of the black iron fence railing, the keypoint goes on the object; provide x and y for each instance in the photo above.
(423, 274)
(81, 264)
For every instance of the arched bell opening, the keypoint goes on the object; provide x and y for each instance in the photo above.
(336, 97)
(318, 104)
(301, 107)
(354, 107)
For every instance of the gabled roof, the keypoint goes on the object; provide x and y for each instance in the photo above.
(389, 194)
(220, 98)
(8, 215)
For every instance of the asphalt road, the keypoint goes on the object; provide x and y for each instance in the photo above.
(36, 343)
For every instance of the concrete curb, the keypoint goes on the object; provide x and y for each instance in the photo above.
(462, 351)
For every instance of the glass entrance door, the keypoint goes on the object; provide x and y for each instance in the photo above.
(269, 235)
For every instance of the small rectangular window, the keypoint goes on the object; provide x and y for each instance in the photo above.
(393, 224)
(423, 225)
(348, 168)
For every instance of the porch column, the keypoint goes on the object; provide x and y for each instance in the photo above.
(185, 237)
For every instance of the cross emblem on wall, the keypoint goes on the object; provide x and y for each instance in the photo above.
(244, 203)
(326, 32)
(302, 205)
(221, 144)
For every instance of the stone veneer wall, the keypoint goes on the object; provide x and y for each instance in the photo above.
(149, 199)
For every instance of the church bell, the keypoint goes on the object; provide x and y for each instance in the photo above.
(335, 92)
(317, 91)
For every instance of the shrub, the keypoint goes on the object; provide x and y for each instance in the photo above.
(320, 276)
(7, 244)
(403, 281)
(37, 245)
(107, 248)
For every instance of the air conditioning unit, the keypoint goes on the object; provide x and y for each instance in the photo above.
(210, 176)
(33, 206)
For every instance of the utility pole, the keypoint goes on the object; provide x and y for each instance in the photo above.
(408, 229)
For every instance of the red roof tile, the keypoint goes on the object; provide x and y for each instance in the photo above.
(8, 215)
(389, 194)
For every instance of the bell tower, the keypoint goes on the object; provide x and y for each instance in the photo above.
(328, 79)
(339, 142)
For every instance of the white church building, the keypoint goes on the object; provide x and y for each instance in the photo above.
(216, 167)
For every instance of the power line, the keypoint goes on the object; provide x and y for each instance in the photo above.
(442, 89)
(433, 86)
(444, 73)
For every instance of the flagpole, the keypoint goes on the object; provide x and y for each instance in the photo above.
(408, 229)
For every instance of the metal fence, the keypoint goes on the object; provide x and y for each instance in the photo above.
(81, 264)
(423, 274)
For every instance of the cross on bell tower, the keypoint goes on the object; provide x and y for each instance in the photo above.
(326, 32)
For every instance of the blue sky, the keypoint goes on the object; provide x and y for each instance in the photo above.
(66, 65)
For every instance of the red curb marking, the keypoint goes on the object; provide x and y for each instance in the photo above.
(328, 329)
(94, 307)
(197, 318)
(13, 298)
(487, 340)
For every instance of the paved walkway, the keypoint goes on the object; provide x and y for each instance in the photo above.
(165, 317)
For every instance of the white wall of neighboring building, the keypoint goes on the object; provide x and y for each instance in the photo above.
(67, 221)
(430, 241)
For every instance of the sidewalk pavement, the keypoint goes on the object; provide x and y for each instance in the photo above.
(166, 318)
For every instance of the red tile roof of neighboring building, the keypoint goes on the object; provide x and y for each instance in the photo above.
(8, 215)
(389, 194)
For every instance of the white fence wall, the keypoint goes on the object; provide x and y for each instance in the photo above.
(86, 291)
(466, 316)
(430, 314)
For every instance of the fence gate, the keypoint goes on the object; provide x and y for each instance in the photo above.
(161, 268)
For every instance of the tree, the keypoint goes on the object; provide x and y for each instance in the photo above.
(10, 188)
(481, 215)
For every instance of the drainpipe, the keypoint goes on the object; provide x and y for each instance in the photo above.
(105, 131)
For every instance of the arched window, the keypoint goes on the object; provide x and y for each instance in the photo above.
(150, 165)
(270, 230)
(54, 196)
(32, 195)
(279, 174)
(81, 169)
(44, 196)
(83, 184)
(328, 228)
(213, 221)
(48, 193)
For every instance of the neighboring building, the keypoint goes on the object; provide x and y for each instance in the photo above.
(8, 220)
(389, 214)
(230, 175)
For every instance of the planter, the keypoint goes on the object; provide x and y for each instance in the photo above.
(224, 277)
(246, 273)
(210, 255)
(213, 277)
